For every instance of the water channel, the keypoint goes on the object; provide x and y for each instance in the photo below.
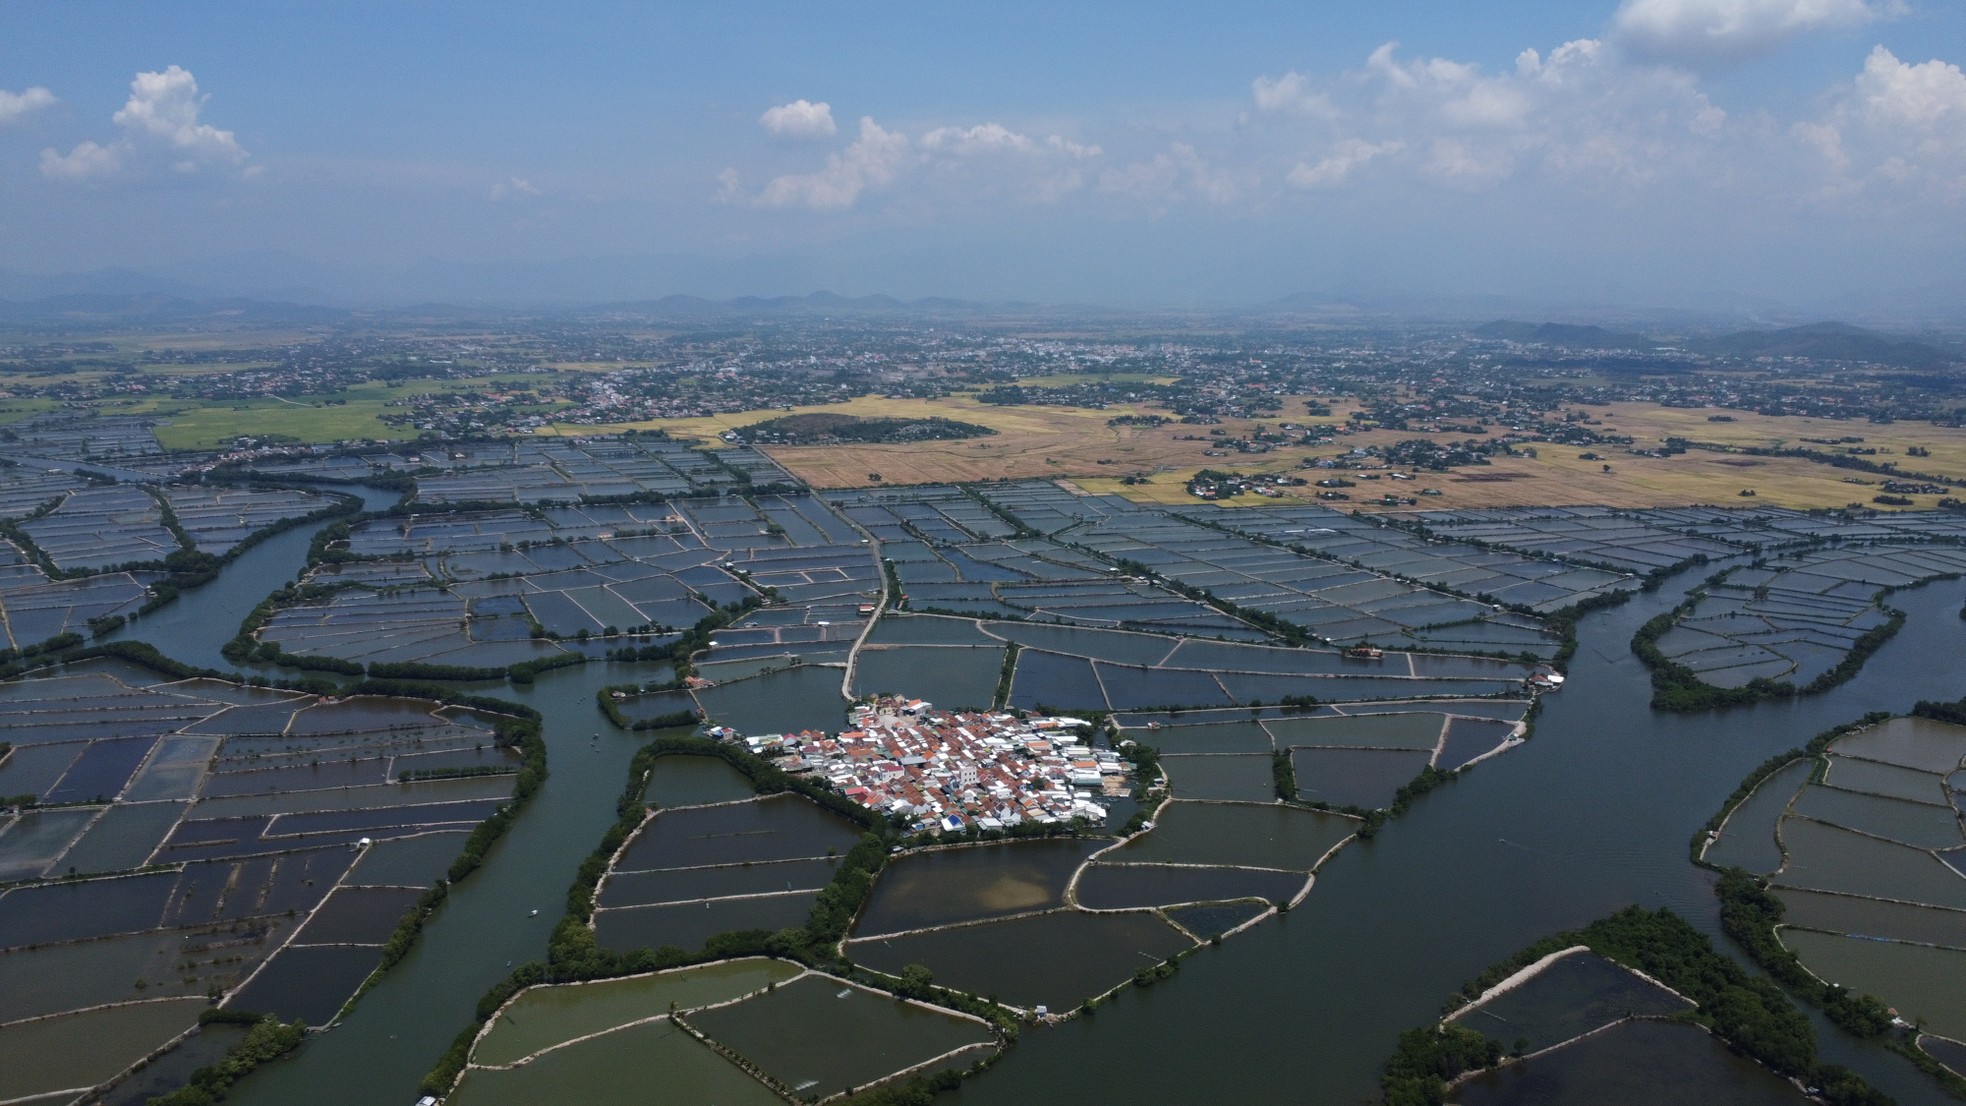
(1591, 815)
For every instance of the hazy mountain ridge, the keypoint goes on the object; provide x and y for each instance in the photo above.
(1828, 341)
(84, 308)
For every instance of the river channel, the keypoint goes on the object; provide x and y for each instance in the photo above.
(1591, 815)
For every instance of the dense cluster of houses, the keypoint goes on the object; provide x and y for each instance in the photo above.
(950, 772)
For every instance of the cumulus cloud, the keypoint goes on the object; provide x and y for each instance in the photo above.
(1708, 32)
(159, 124)
(800, 119)
(512, 188)
(984, 138)
(1580, 112)
(86, 160)
(1293, 92)
(1897, 125)
(987, 157)
(164, 106)
(15, 106)
(1178, 173)
(872, 161)
(1073, 149)
(1928, 95)
(1350, 155)
(730, 186)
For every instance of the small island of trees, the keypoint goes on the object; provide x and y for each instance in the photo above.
(825, 429)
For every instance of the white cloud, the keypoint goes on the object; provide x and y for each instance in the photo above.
(1073, 149)
(871, 162)
(1350, 155)
(513, 187)
(1897, 126)
(1178, 173)
(160, 126)
(1705, 32)
(972, 161)
(984, 138)
(994, 138)
(83, 162)
(165, 106)
(800, 119)
(1579, 112)
(1930, 94)
(1459, 93)
(15, 106)
(1292, 93)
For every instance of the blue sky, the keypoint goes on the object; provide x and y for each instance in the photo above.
(1776, 155)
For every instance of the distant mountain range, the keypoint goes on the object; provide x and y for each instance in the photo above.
(816, 304)
(152, 308)
(103, 309)
(1569, 335)
(1828, 341)
(1831, 341)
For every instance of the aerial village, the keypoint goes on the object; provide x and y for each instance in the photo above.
(953, 772)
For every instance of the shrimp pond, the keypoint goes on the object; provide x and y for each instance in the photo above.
(1366, 793)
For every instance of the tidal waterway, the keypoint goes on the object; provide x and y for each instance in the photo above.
(1592, 814)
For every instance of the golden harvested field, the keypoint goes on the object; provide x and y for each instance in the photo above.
(1651, 424)
(1030, 442)
(1076, 444)
(1547, 480)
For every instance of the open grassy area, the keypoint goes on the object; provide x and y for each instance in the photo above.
(208, 426)
(331, 417)
(14, 410)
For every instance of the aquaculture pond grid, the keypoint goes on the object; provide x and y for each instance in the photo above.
(213, 841)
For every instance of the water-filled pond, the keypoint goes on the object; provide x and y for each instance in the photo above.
(1639, 1064)
(1919, 981)
(1568, 997)
(651, 1064)
(542, 1017)
(1548, 855)
(1747, 839)
(945, 886)
(1056, 960)
(1103, 886)
(819, 1035)
(1247, 834)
